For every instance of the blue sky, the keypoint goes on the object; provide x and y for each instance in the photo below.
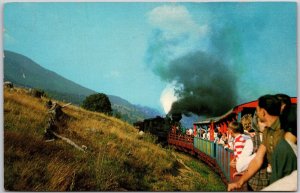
(127, 49)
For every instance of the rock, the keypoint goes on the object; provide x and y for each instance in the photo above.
(141, 133)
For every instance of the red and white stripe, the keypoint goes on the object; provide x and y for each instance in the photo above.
(239, 143)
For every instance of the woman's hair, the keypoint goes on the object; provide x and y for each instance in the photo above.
(288, 117)
(290, 123)
(236, 127)
(284, 99)
(271, 104)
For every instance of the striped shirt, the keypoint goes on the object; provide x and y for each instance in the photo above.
(239, 143)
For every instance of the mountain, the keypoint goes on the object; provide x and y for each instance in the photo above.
(23, 71)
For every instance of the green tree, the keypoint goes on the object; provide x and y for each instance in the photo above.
(98, 102)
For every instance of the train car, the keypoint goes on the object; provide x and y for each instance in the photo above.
(216, 155)
(206, 149)
(221, 123)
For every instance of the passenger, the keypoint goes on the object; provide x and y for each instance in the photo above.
(230, 141)
(220, 134)
(202, 131)
(262, 178)
(199, 132)
(243, 147)
(246, 122)
(223, 139)
(268, 112)
(285, 102)
(208, 134)
(285, 108)
(216, 135)
(284, 160)
(190, 131)
(204, 135)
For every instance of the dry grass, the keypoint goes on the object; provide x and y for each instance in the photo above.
(117, 158)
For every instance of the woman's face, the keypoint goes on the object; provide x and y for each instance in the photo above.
(260, 112)
(261, 125)
(230, 132)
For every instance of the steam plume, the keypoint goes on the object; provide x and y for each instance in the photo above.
(203, 85)
(168, 97)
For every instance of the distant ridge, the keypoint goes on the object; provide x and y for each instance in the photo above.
(23, 71)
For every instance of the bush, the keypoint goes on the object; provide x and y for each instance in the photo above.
(38, 93)
(98, 102)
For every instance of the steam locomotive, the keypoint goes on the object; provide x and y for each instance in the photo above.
(159, 126)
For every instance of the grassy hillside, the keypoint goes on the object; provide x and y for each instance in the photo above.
(116, 159)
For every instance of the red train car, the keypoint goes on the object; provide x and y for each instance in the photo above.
(205, 149)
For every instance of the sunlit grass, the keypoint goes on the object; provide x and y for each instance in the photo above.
(116, 159)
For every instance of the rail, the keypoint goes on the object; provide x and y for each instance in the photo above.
(213, 154)
(183, 141)
(223, 158)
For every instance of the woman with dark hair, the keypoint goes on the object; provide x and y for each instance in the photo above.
(285, 100)
(285, 110)
(284, 160)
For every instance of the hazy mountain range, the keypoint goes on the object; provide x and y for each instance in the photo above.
(22, 71)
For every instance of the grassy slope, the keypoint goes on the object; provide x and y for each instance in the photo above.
(117, 159)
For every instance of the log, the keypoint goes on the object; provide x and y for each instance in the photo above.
(66, 105)
(68, 141)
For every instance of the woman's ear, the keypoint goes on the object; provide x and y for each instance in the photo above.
(282, 107)
(263, 112)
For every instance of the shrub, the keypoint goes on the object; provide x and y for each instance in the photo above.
(38, 93)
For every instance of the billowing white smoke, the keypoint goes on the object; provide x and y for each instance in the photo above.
(167, 97)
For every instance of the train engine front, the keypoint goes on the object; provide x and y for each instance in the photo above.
(159, 126)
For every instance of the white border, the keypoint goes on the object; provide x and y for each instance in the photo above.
(2, 2)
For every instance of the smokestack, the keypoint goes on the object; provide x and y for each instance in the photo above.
(176, 117)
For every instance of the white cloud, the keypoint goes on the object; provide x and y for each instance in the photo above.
(175, 20)
(180, 32)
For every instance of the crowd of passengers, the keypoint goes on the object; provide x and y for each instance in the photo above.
(264, 145)
(267, 158)
(226, 139)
